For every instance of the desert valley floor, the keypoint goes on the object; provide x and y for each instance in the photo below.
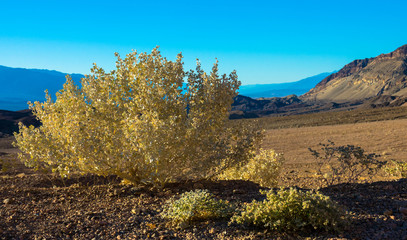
(38, 206)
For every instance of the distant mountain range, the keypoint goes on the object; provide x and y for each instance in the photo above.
(282, 89)
(19, 85)
(371, 82)
(366, 83)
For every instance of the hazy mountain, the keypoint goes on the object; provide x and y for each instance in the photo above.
(282, 89)
(19, 85)
(371, 78)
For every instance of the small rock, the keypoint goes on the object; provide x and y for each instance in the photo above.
(238, 191)
(183, 225)
(198, 186)
(393, 226)
(389, 187)
(161, 194)
(212, 230)
(7, 201)
(388, 213)
(136, 211)
(20, 175)
(403, 211)
(136, 189)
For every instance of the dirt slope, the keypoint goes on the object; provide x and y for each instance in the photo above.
(385, 74)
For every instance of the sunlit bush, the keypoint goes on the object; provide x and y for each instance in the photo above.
(195, 206)
(263, 169)
(141, 123)
(396, 168)
(291, 211)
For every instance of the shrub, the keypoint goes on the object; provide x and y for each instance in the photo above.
(345, 164)
(6, 164)
(263, 169)
(194, 206)
(141, 123)
(396, 168)
(292, 210)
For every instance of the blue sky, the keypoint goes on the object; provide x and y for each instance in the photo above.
(265, 41)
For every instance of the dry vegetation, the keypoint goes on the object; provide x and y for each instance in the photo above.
(386, 138)
(73, 209)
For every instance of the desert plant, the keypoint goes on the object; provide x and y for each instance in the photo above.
(2, 166)
(291, 210)
(264, 169)
(396, 168)
(195, 206)
(6, 164)
(345, 164)
(141, 123)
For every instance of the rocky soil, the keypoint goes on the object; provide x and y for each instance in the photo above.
(43, 206)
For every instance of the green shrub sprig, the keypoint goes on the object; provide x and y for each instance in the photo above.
(195, 206)
(396, 168)
(292, 210)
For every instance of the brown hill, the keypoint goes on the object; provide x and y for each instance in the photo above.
(246, 107)
(384, 75)
(9, 121)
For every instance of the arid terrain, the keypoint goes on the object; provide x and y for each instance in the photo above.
(386, 138)
(42, 206)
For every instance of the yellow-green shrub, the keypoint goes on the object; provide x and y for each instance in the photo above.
(140, 123)
(195, 206)
(264, 168)
(292, 210)
(396, 168)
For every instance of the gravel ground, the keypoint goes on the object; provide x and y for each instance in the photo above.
(35, 206)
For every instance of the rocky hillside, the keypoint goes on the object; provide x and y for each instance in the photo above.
(384, 75)
(246, 107)
(9, 121)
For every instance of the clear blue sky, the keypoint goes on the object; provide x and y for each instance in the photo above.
(265, 41)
